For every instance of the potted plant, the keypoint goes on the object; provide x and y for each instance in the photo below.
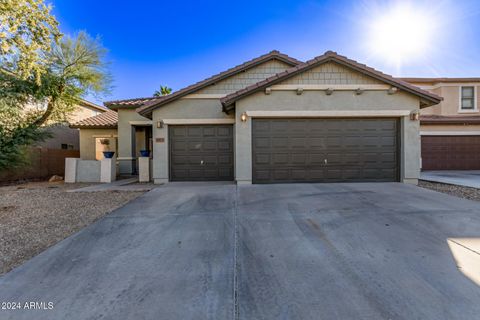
(107, 153)
(145, 153)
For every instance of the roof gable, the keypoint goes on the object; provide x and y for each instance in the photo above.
(331, 72)
(147, 108)
(303, 71)
(247, 77)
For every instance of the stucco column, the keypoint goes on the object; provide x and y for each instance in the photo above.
(143, 169)
(410, 144)
(243, 149)
(71, 170)
(108, 170)
(160, 153)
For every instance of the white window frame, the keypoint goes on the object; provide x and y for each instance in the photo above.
(475, 107)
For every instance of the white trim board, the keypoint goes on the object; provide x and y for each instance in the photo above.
(329, 114)
(450, 133)
(198, 121)
(347, 87)
(105, 136)
(141, 122)
(204, 96)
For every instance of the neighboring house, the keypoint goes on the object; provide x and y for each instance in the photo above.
(64, 137)
(47, 158)
(450, 130)
(273, 119)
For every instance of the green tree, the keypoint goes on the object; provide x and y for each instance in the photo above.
(73, 68)
(164, 90)
(27, 31)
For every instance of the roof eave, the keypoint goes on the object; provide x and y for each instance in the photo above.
(93, 127)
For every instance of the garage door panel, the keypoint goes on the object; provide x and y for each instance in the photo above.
(298, 142)
(317, 158)
(194, 146)
(281, 174)
(349, 145)
(225, 146)
(260, 159)
(210, 146)
(193, 131)
(299, 158)
(279, 142)
(209, 132)
(280, 158)
(201, 152)
(178, 132)
(451, 152)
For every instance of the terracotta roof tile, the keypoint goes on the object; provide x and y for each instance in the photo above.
(230, 99)
(105, 120)
(133, 103)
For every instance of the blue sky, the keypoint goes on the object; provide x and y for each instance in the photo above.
(177, 43)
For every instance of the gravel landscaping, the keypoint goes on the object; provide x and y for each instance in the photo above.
(457, 191)
(36, 215)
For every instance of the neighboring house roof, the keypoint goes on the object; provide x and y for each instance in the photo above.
(437, 119)
(92, 105)
(106, 120)
(130, 103)
(147, 109)
(428, 97)
(437, 80)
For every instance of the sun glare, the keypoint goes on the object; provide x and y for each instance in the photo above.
(401, 32)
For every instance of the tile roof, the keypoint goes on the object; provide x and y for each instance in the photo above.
(130, 103)
(437, 119)
(230, 99)
(437, 80)
(104, 120)
(147, 109)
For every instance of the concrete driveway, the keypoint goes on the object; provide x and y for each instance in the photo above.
(218, 251)
(466, 178)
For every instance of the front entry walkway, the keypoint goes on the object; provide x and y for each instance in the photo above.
(289, 251)
(466, 178)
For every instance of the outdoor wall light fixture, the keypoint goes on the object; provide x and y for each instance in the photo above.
(243, 117)
(160, 124)
(414, 116)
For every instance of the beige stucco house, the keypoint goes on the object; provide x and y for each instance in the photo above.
(450, 130)
(64, 137)
(273, 119)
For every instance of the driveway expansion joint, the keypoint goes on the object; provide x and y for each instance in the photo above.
(236, 315)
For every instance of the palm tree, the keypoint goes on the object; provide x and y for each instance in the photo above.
(164, 90)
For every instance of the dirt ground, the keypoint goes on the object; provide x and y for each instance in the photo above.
(36, 215)
(457, 191)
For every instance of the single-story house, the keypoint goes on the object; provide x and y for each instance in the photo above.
(273, 119)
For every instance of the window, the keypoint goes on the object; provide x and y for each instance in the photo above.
(467, 99)
(67, 146)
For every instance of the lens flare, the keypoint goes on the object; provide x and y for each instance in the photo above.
(401, 32)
